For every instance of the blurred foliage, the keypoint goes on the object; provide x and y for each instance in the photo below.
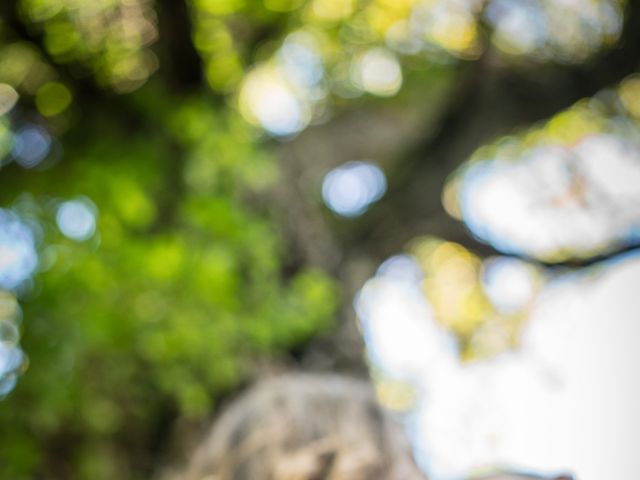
(146, 272)
(482, 302)
(108, 37)
(178, 294)
(169, 302)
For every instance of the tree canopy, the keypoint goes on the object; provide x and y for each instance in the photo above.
(192, 189)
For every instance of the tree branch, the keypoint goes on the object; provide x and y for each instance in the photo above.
(180, 62)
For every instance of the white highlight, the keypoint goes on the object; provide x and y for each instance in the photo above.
(378, 72)
(508, 282)
(31, 146)
(556, 199)
(8, 98)
(269, 99)
(565, 402)
(349, 189)
(76, 219)
(18, 257)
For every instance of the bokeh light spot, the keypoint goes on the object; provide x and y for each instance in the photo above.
(629, 92)
(378, 72)
(76, 219)
(332, 10)
(31, 145)
(349, 189)
(18, 256)
(52, 98)
(401, 268)
(268, 99)
(509, 283)
(8, 98)
(497, 198)
(566, 31)
(300, 59)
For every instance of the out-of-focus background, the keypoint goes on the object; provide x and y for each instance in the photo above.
(441, 194)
